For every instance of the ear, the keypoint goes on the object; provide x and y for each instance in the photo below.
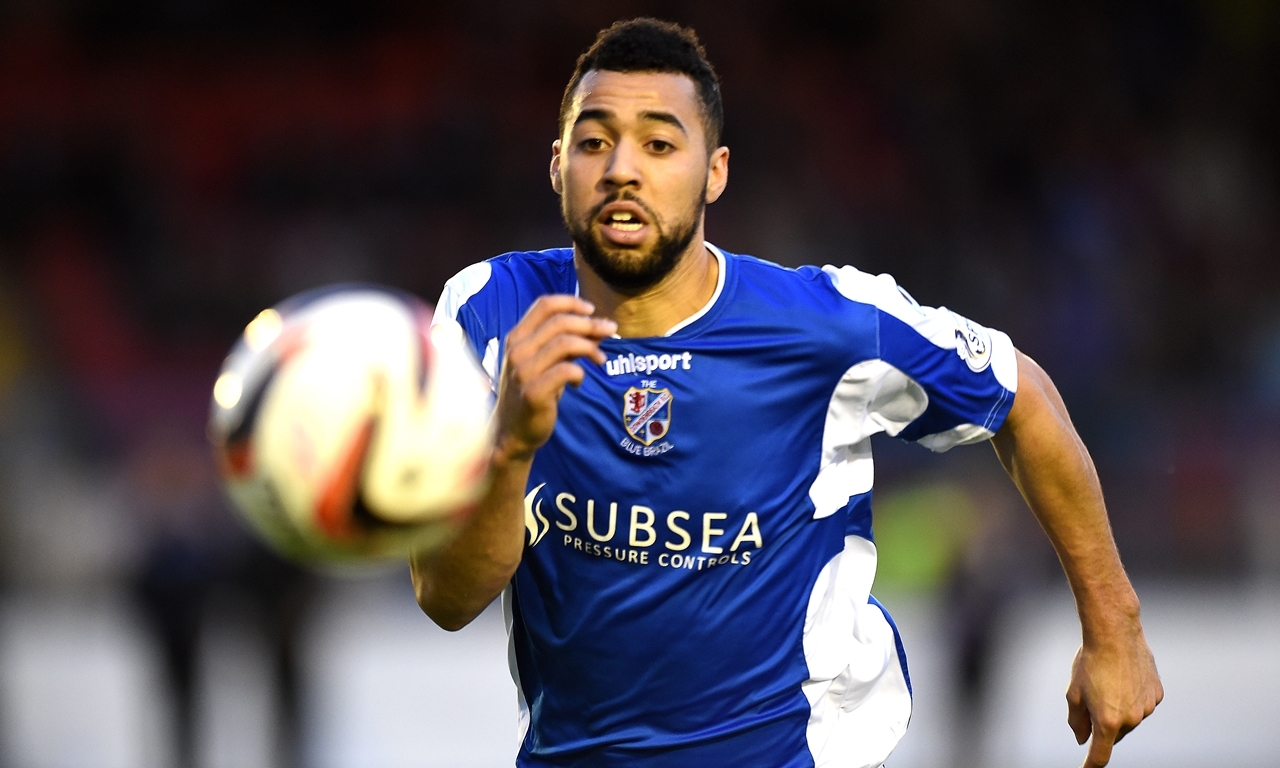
(717, 174)
(556, 183)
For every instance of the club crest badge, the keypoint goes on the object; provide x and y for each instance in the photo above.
(646, 413)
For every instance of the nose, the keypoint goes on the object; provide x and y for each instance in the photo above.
(623, 169)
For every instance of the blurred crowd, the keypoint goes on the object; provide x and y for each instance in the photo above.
(1101, 180)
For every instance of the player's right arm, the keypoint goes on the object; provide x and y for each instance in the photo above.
(455, 583)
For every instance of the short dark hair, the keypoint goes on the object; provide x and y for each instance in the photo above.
(651, 45)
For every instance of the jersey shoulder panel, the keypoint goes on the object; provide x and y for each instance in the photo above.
(804, 297)
(762, 272)
(966, 372)
(791, 318)
(489, 297)
(485, 295)
(461, 287)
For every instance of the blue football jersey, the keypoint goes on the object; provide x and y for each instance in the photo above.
(695, 586)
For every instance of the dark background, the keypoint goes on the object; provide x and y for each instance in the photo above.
(1097, 179)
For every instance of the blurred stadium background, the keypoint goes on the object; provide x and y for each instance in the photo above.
(1098, 179)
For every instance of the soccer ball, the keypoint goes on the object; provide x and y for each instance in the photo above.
(349, 429)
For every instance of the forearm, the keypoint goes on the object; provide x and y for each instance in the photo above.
(1051, 467)
(454, 584)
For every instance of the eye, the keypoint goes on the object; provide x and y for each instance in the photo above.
(661, 147)
(591, 145)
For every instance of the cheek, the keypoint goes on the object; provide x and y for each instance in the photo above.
(683, 193)
(577, 187)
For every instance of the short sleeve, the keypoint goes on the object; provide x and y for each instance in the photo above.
(959, 377)
(455, 304)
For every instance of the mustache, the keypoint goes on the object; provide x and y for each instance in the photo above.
(618, 196)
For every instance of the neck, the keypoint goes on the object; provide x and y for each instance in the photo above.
(658, 309)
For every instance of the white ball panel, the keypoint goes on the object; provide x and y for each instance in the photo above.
(342, 362)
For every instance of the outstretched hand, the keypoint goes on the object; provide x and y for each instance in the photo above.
(539, 364)
(1114, 686)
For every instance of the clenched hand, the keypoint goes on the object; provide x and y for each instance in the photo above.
(1114, 686)
(539, 363)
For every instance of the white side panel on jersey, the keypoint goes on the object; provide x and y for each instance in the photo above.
(870, 397)
(490, 363)
(508, 617)
(941, 326)
(961, 435)
(857, 691)
(462, 287)
(846, 472)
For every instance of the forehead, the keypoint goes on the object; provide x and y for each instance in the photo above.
(628, 94)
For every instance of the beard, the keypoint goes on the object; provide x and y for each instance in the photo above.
(630, 270)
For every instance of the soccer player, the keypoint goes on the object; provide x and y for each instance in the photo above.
(680, 512)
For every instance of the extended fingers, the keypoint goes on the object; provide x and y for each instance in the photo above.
(557, 327)
(556, 337)
(544, 308)
(551, 383)
(561, 348)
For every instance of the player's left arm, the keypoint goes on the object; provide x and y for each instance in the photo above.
(1114, 683)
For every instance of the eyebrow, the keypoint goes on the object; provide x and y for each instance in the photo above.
(604, 115)
(664, 117)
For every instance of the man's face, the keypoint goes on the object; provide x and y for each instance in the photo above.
(634, 173)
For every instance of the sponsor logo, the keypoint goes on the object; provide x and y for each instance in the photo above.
(644, 536)
(973, 343)
(534, 520)
(631, 363)
(646, 413)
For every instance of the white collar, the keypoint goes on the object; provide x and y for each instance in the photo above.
(577, 286)
(691, 319)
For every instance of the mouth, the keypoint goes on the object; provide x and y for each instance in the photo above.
(624, 223)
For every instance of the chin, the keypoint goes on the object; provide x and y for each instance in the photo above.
(628, 259)
(626, 270)
(631, 269)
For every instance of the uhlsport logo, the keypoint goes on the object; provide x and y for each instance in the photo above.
(646, 413)
(633, 363)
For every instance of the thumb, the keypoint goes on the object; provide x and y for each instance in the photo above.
(1078, 716)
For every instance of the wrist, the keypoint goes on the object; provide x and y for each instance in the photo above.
(1113, 618)
(510, 453)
